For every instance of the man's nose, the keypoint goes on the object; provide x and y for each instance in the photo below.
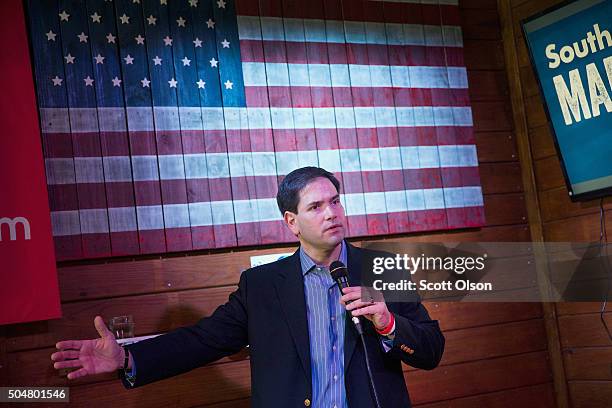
(330, 212)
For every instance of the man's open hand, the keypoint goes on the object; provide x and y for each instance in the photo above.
(103, 355)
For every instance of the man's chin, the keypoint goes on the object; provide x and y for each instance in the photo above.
(335, 237)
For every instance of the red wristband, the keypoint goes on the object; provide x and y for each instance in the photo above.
(388, 328)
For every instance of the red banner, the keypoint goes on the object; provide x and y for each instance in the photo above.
(28, 277)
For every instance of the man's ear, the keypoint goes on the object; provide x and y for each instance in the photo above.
(291, 221)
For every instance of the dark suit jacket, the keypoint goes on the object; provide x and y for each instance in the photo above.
(268, 312)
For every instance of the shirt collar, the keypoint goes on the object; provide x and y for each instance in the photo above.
(307, 262)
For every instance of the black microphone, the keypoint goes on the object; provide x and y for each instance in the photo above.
(339, 274)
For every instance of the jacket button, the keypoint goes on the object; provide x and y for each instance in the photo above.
(306, 402)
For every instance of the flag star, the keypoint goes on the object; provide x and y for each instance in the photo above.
(181, 22)
(99, 59)
(168, 41)
(145, 83)
(201, 84)
(210, 23)
(88, 81)
(221, 4)
(129, 59)
(82, 37)
(197, 42)
(151, 20)
(110, 38)
(139, 40)
(228, 84)
(116, 81)
(172, 83)
(225, 43)
(213, 63)
(95, 18)
(186, 61)
(124, 19)
(157, 60)
(69, 59)
(193, 3)
(50, 35)
(57, 81)
(64, 16)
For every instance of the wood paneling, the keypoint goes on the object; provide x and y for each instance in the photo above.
(531, 396)
(572, 308)
(590, 394)
(240, 403)
(501, 177)
(542, 144)
(478, 377)
(477, 4)
(156, 275)
(495, 352)
(584, 330)
(487, 85)
(206, 385)
(557, 205)
(491, 116)
(581, 228)
(536, 115)
(548, 173)
(503, 209)
(529, 81)
(592, 363)
(153, 314)
(463, 315)
(495, 147)
(480, 24)
(492, 341)
(474, 60)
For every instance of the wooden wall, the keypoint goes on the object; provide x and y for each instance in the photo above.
(585, 347)
(496, 354)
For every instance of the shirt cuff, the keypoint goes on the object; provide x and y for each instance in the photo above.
(130, 375)
(387, 341)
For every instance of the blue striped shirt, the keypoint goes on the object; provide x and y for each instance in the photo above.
(326, 321)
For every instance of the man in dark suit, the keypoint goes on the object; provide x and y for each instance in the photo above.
(304, 349)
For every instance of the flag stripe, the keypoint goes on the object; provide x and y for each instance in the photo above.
(286, 118)
(212, 165)
(411, 55)
(353, 75)
(66, 222)
(294, 30)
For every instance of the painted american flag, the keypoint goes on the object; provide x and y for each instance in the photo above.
(167, 124)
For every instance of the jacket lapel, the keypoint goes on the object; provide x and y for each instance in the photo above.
(354, 275)
(290, 290)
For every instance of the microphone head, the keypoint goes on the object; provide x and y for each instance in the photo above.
(338, 271)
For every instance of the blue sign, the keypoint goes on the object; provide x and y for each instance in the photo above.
(571, 50)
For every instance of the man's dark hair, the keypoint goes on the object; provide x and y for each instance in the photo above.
(288, 195)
